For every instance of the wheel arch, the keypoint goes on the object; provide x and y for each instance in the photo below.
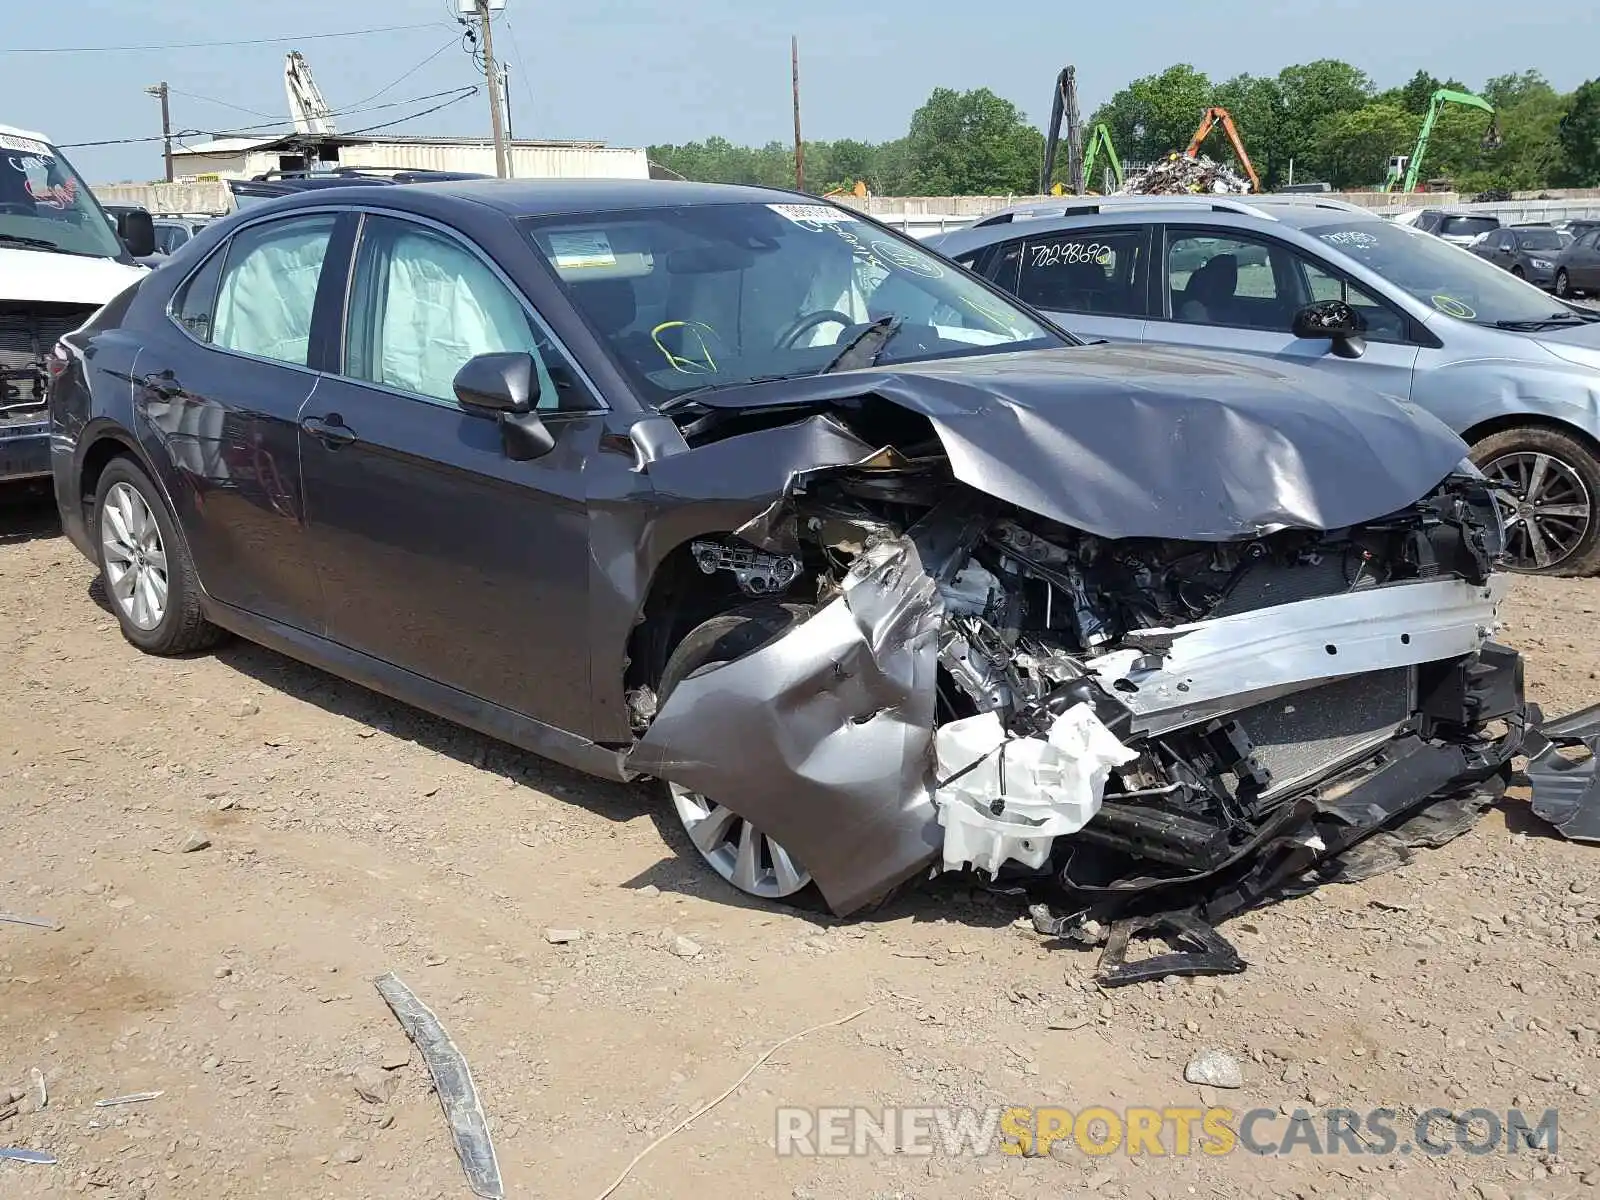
(679, 597)
(1503, 422)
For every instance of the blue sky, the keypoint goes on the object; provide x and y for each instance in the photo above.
(634, 72)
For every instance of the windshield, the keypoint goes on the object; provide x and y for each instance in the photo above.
(1444, 277)
(717, 295)
(1467, 226)
(1539, 239)
(44, 205)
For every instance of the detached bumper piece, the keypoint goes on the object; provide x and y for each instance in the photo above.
(1566, 790)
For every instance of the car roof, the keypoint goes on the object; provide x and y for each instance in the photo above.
(548, 197)
(1296, 210)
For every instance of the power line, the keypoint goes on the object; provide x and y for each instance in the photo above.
(222, 103)
(516, 47)
(456, 96)
(265, 41)
(407, 75)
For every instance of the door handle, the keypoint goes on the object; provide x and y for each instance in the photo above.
(330, 430)
(163, 384)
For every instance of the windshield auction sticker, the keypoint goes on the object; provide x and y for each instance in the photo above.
(811, 216)
(1451, 307)
(578, 251)
(26, 146)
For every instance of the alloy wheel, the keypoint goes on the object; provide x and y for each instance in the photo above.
(135, 559)
(1563, 285)
(736, 850)
(1546, 506)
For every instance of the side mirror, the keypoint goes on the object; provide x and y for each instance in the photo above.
(138, 232)
(505, 385)
(1334, 320)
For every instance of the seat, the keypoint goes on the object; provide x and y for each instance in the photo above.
(612, 308)
(1208, 295)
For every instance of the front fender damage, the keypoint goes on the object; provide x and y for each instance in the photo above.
(834, 725)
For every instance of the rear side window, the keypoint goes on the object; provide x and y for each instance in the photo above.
(1095, 271)
(269, 289)
(196, 302)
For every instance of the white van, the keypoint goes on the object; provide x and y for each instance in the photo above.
(60, 261)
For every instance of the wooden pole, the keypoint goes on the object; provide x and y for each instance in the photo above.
(799, 144)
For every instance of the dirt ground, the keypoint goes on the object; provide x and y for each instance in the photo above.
(349, 836)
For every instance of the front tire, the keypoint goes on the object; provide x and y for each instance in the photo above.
(1548, 484)
(732, 846)
(149, 576)
(1563, 285)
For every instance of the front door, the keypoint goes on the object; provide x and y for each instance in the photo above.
(1235, 292)
(438, 553)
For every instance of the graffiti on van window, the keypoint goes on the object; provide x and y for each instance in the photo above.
(60, 196)
(1062, 254)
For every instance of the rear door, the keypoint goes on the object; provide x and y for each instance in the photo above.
(1583, 262)
(1094, 282)
(220, 394)
(1225, 289)
(438, 553)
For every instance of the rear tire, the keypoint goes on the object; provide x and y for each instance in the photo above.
(1565, 479)
(149, 577)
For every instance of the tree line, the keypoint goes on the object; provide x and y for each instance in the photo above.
(1321, 121)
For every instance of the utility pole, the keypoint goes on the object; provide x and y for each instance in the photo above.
(160, 91)
(799, 145)
(496, 111)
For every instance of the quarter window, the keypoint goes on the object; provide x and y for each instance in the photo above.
(424, 305)
(196, 301)
(269, 289)
(1098, 271)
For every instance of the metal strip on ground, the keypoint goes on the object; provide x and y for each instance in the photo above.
(452, 1078)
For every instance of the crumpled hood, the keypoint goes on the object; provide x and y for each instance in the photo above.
(1141, 441)
(63, 278)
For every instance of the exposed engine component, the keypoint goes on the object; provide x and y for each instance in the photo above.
(27, 334)
(757, 572)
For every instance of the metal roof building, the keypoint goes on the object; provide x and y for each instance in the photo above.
(245, 158)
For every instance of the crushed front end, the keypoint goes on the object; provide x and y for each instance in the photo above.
(1140, 725)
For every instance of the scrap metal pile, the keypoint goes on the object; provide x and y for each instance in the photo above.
(1180, 175)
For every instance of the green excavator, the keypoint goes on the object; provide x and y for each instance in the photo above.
(1413, 167)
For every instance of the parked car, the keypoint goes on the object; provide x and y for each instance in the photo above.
(742, 491)
(1509, 368)
(61, 258)
(1577, 227)
(1527, 251)
(1457, 227)
(173, 232)
(1578, 268)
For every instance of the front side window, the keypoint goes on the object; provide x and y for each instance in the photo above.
(1442, 276)
(1096, 271)
(269, 288)
(717, 295)
(1217, 278)
(1383, 324)
(424, 304)
(45, 205)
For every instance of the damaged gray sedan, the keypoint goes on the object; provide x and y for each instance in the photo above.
(876, 571)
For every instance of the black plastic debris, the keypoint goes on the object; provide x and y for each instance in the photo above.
(1566, 790)
(1197, 949)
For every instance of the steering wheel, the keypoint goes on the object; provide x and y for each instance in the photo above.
(805, 324)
